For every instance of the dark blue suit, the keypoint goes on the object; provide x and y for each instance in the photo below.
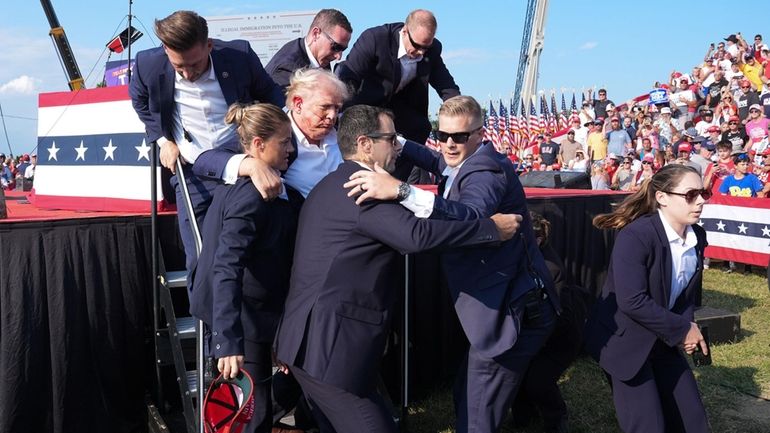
(344, 286)
(373, 70)
(635, 337)
(240, 281)
(288, 59)
(241, 78)
(489, 285)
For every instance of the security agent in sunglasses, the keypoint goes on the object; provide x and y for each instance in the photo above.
(504, 297)
(324, 43)
(391, 66)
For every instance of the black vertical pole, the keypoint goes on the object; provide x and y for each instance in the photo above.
(130, 35)
(155, 265)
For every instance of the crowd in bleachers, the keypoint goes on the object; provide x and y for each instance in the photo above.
(17, 172)
(714, 117)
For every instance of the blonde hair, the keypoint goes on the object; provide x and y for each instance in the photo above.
(462, 106)
(255, 120)
(305, 81)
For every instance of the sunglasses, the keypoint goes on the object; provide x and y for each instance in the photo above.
(457, 137)
(336, 46)
(391, 137)
(415, 44)
(733, 123)
(754, 111)
(692, 194)
(646, 163)
(745, 87)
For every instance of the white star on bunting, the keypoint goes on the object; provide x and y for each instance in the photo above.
(765, 232)
(52, 151)
(144, 151)
(81, 152)
(109, 151)
(742, 228)
(721, 226)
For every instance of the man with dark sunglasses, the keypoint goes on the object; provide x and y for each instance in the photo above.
(392, 65)
(324, 43)
(504, 297)
(747, 98)
(736, 134)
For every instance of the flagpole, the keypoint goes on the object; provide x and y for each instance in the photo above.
(130, 35)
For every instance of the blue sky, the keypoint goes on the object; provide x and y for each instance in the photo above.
(625, 46)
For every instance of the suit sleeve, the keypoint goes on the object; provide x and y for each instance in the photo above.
(422, 157)
(281, 75)
(361, 59)
(212, 162)
(480, 196)
(263, 88)
(140, 99)
(408, 234)
(632, 291)
(440, 78)
(239, 231)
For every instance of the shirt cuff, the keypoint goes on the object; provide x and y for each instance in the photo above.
(419, 201)
(230, 174)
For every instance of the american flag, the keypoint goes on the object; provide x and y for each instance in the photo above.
(573, 105)
(563, 115)
(432, 142)
(554, 122)
(523, 126)
(502, 126)
(494, 136)
(738, 229)
(514, 127)
(534, 121)
(93, 155)
(544, 115)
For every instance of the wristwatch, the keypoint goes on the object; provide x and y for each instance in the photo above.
(403, 191)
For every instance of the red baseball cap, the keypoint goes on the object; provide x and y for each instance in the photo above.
(735, 119)
(684, 148)
(229, 404)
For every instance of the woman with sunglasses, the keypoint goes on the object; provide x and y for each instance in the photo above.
(241, 279)
(736, 134)
(644, 317)
(756, 128)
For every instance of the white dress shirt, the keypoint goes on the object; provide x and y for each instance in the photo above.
(200, 109)
(684, 261)
(313, 161)
(313, 62)
(408, 65)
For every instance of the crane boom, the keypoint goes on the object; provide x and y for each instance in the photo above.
(63, 49)
(532, 41)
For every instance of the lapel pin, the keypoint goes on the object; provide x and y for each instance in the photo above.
(225, 74)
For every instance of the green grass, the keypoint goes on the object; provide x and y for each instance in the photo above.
(739, 371)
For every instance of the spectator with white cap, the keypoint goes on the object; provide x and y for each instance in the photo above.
(665, 127)
(29, 173)
(756, 128)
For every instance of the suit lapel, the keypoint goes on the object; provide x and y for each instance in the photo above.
(665, 255)
(395, 62)
(224, 77)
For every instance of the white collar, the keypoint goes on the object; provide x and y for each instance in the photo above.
(313, 62)
(402, 50)
(302, 140)
(690, 240)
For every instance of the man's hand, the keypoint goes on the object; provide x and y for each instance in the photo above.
(375, 185)
(507, 224)
(266, 179)
(169, 153)
(229, 366)
(693, 339)
(282, 367)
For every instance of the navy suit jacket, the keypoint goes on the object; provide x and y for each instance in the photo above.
(373, 70)
(632, 313)
(484, 282)
(346, 279)
(238, 70)
(288, 59)
(240, 281)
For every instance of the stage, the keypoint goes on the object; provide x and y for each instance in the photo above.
(76, 308)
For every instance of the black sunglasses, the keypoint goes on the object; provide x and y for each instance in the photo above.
(646, 163)
(389, 136)
(457, 137)
(415, 44)
(693, 194)
(336, 46)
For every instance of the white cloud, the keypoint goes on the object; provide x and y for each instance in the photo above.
(589, 45)
(24, 85)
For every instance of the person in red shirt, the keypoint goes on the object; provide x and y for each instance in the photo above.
(722, 168)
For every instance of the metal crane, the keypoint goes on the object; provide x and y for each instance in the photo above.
(531, 47)
(63, 49)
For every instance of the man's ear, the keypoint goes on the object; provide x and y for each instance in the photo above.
(364, 144)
